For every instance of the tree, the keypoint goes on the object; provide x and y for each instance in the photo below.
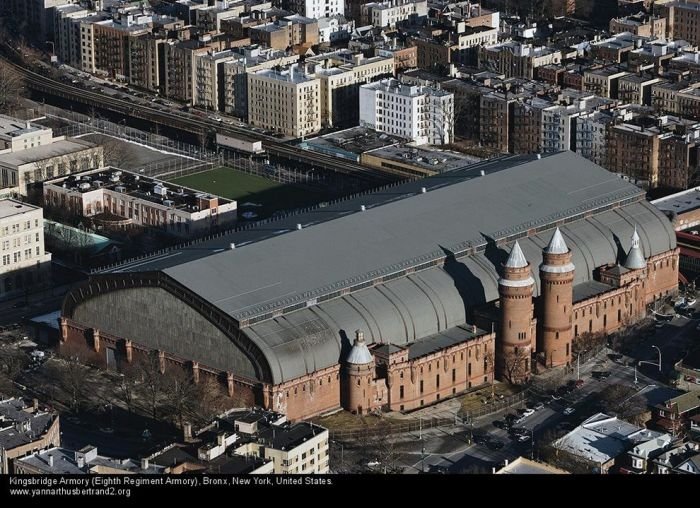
(11, 88)
(12, 361)
(116, 153)
(514, 365)
(148, 369)
(126, 390)
(180, 394)
(623, 402)
(69, 374)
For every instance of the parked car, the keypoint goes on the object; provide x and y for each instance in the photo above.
(691, 301)
(569, 410)
(538, 406)
(579, 383)
(528, 412)
(523, 438)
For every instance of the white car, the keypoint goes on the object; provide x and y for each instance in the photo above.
(691, 301)
(528, 412)
(569, 410)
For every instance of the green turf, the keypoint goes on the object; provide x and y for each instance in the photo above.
(244, 188)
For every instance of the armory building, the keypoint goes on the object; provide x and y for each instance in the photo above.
(397, 298)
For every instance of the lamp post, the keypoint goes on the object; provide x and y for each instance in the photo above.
(422, 459)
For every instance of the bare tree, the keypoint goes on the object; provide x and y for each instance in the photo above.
(12, 361)
(210, 399)
(116, 152)
(11, 88)
(70, 375)
(126, 390)
(514, 365)
(623, 402)
(152, 386)
(180, 394)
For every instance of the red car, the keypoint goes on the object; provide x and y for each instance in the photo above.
(579, 383)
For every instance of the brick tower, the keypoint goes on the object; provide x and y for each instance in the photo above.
(556, 298)
(514, 348)
(358, 377)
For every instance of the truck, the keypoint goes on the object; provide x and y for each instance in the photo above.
(241, 144)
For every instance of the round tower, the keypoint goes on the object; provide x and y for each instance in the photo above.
(514, 345)
(556, 298)
(635, 257)
(359, 373)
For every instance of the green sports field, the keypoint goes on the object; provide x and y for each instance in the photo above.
(245, 188)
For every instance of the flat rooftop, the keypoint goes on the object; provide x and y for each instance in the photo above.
(43, 152)
(434, 160)
(357, 140)
(283, 437)
(135, 185)
(284, 75)
(12, 127)
(680, 202)
(521, 465)
(11, 207)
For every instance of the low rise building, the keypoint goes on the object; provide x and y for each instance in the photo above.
(25, 263)
(522, 465)
(291, 31)
(391, 13)
(602, 441)
(249, 441)
(24, 430)
(411, 162)
(64, 461)
(639, 24)
(515, 59)
(603, 82)
(115, 198)
(674, 415)
(418, 113)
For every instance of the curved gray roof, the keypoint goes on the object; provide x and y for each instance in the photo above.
(408, 309)
(412, 267)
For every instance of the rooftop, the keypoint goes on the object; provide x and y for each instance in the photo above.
(355, 141)
(680, 202)
(12, 207)
(19, 425)
(589, 289)
(522, 465)
(43, 152)
(137, 186)
(442, 340)
(12, 127)
(291, 75)
(64, 461)
(601, 438)
(394, 86)
(438, 161)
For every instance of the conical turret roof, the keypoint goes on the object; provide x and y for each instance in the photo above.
(516, 258)
(557, 245)
(635, 257)
(359, 354)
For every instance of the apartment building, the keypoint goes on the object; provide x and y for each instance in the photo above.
(37, 15)
(688, 102)
(527, 128)
(633, 151)
(639, 24)
(682, 19)
(178, 69)
(115, 198)
(636, 89)
(24, 429)
(250, 59)
(145, 61)
(603, 82)
(341, 73)
(316, 8)
(289, 31)
(286, 101)
(496, 111)
(208, 78)
(25, 263)
(419, 113)
(592, 136)
(334, 29)
(515, 59)
(67, 34)
(390, 13)
(616, 48)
